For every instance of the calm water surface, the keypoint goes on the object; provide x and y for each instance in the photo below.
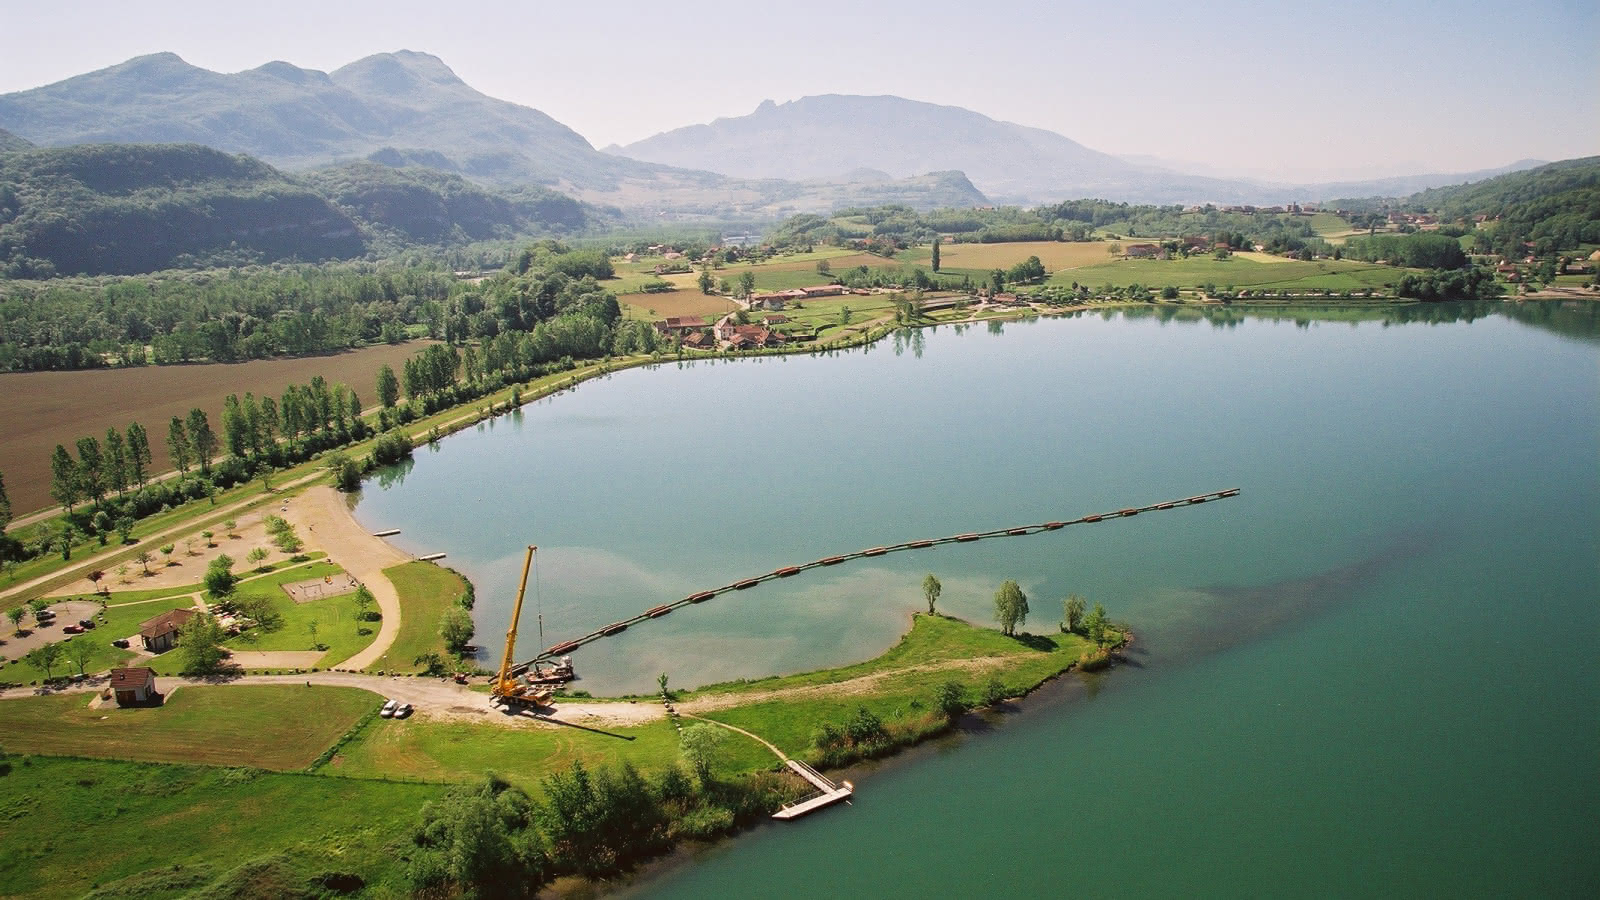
(1373, 672)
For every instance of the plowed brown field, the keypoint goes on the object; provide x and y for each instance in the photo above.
(41, 409)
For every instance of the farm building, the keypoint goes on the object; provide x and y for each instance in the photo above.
(134, 686)
(161, 633)
(823, 290)
(699, 340)
(680, 324)
(1141, 251)
(747, 337)
(775, 319)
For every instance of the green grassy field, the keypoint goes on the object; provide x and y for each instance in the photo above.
(909, 674)
(266, 726)
(70, 825)
(449, 751)
(335, 617)
(426, 591)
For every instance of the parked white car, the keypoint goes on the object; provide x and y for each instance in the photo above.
(389, 709)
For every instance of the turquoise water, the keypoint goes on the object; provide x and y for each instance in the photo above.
(1372, 672)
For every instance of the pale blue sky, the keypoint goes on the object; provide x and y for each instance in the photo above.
(1278, 90)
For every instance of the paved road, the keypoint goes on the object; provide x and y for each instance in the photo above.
(434, 698)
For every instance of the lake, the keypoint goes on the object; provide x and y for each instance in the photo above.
(1373, 671)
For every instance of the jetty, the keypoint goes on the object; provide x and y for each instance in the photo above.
(742, 584)
(828, 792)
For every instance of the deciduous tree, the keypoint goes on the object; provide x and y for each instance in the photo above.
(388, 387)
(200, 645)
(1010, 607)
(1072, 609)
(930, 591)
(45, 658)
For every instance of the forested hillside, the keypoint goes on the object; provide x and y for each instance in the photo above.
(128, 208)
(9, 141)
(112, 208)
(1555, 207)
(422, 206)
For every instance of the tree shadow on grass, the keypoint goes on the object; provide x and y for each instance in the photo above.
(1035, 642)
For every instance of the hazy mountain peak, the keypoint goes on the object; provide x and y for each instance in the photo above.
(291, 73)
(401, 72)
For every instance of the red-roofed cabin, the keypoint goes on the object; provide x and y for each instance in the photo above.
(161, 633)
(134, 686)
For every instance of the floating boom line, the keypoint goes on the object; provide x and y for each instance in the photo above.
(656, 612)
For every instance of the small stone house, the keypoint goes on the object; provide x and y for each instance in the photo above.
(134, 686)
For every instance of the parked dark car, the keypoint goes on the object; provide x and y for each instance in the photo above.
(72, 629)
(121, 643)
(86, 623)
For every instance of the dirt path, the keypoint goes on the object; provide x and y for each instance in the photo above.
(190, 527)
(850, 687)
(324, 520)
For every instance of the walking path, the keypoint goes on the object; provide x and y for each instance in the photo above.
(188, 526)
(323, 517)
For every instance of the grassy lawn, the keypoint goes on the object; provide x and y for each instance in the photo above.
(72, 824)
(451, 751)
(335, 617)
(910, 673)
(426, 591)
(267, 726)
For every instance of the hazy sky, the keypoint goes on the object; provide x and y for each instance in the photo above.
(1279, 90)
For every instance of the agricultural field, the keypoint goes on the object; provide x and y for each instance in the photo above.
(42, 409)
(1239, 270)
(980, 259)
(426, 591)
(452, 751)
(266, 726)
(71, 825)
(684, 302)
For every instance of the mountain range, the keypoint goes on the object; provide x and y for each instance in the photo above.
(822, 136)
(409, 109)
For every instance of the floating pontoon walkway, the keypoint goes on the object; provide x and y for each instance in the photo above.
(657, 612)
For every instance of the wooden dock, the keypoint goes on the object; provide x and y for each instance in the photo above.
(742, 584)
(828, 792)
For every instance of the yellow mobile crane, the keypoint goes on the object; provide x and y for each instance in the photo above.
(506, 688)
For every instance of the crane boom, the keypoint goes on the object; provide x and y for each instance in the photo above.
(505, 685)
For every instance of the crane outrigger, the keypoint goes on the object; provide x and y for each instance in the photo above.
(507, 688)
